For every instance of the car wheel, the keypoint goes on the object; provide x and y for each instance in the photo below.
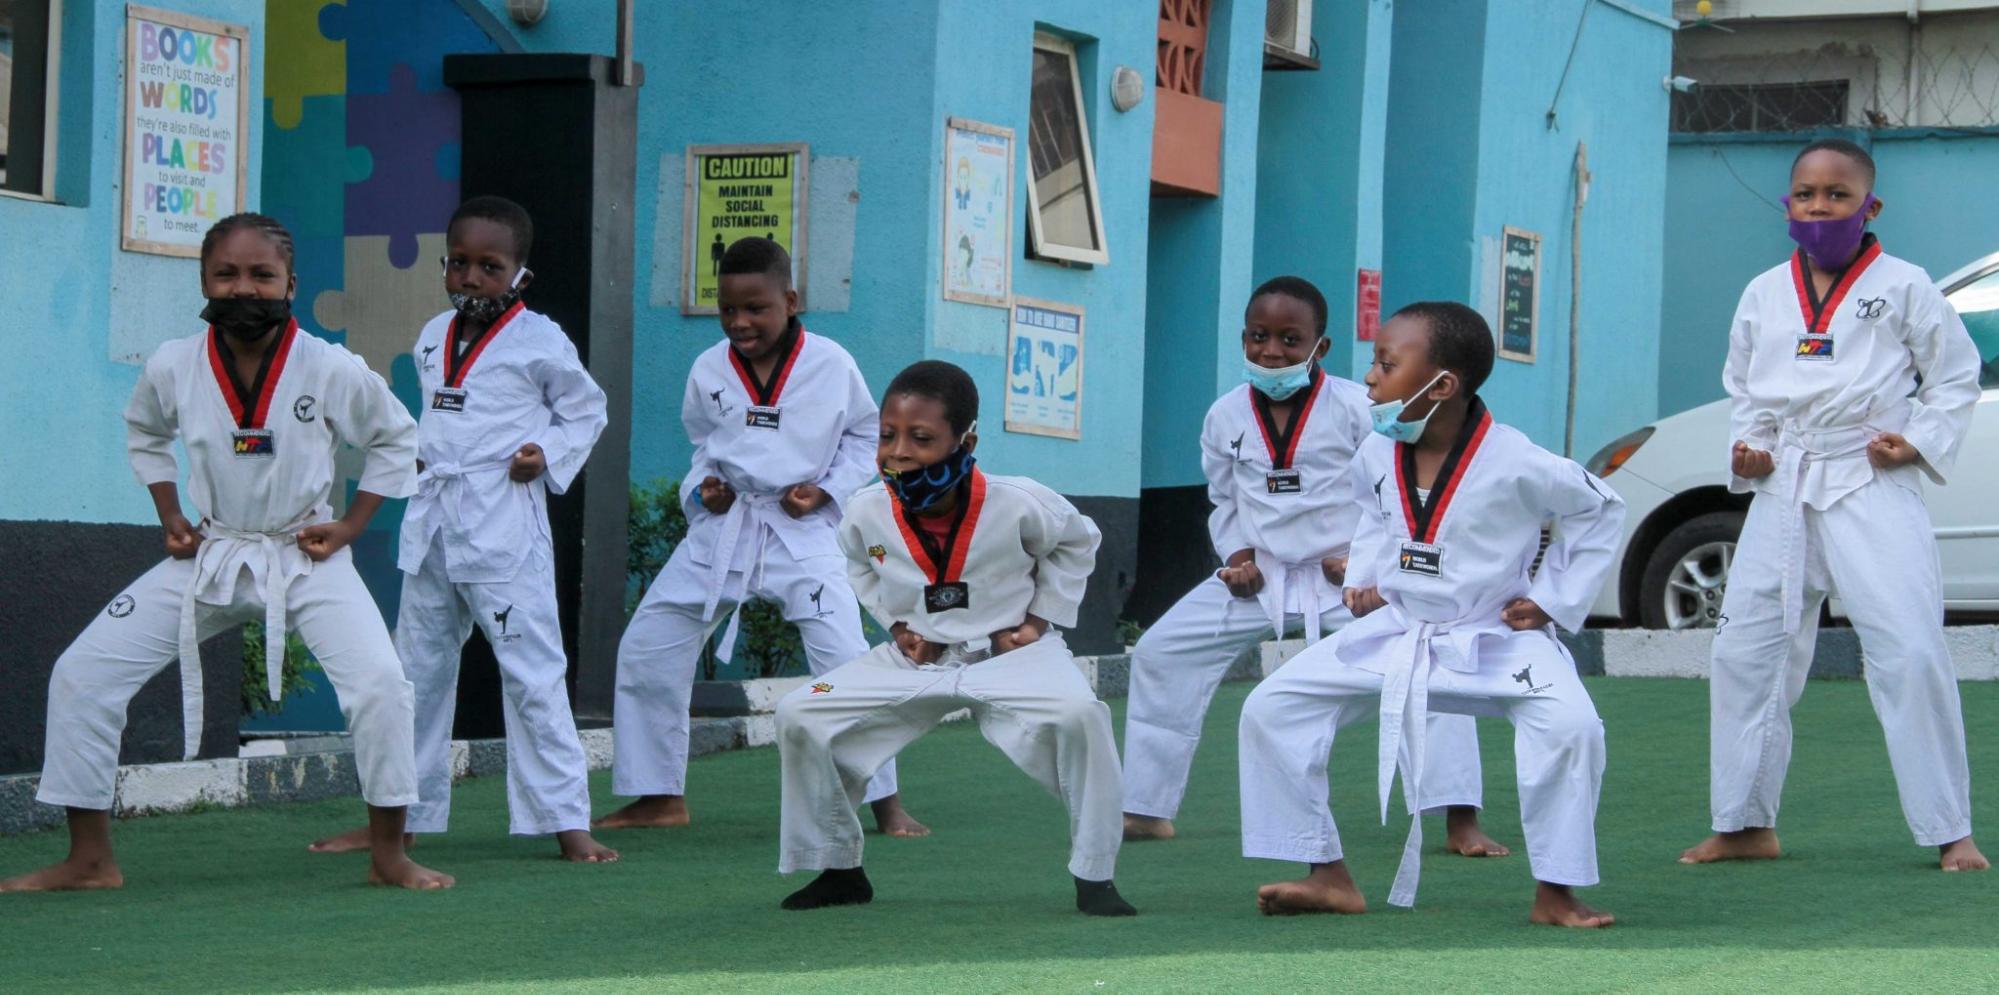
(1687, 575)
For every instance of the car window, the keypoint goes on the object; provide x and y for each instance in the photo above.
(1977, 303)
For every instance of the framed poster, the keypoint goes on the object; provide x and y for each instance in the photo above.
(186, 128)
(1519, 294)
(978, 212)
(1367, 305)
(735, 191)
(1044, 379)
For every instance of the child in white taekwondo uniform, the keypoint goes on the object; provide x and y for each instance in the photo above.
(509, 415)
(261, 408)
(971, 571)
(783, 429)
(1852, 379)
(1276, 451)
(1454, 619)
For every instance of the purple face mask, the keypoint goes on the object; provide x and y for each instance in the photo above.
(1831, 244)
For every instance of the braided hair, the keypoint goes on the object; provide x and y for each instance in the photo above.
(263, 224)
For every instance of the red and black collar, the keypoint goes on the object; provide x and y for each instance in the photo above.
(249, 404)
(766, 393)
(1282, 444)
(1818, 312)
(455, 365)
(943, 563)
(1426, 518)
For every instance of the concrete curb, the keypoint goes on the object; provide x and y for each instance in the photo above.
(323, 767)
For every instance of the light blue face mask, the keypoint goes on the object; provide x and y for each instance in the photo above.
(1388, 415)
(1280, 383)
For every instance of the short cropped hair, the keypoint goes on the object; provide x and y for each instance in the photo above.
(1843, 147)
(756, 254)
(1460, 340)
(944, 383)
(1297, 288)
(503, 212)
(264, 224)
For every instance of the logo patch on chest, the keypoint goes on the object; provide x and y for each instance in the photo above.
(1870, 308)
(879, 552)
(1815, 348)
(305, 409)
(253, 443)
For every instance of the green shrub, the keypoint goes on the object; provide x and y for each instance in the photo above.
(766, 645)
(256, 688)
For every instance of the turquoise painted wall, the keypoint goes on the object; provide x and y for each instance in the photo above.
(881, 119)
(1449, 197)
(70, 291)
(1430, 160)
(1725, 224)
(1319, 175)
(1201, 253)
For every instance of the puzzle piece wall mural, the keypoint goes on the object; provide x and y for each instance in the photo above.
(361, 157)
(407, 133)
(307, 62)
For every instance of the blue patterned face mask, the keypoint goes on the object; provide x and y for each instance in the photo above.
(1388, 415)
(1278, 384)
(924, 486)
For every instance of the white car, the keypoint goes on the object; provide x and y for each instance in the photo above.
(1681, 522)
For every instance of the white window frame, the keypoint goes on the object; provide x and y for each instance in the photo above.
(52, 121)
(1044, 249)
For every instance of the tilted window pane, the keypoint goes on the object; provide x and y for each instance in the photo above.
(1055, 146)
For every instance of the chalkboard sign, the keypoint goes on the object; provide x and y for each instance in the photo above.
(1520, 294)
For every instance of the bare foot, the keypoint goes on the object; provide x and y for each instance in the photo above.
(1147, 827)
(352, 841)
(1962, 855)
(1557, 905)
(578, 846)
(892, 820)
(1467, 838)
(70, 875)
(649, 812)
(1742, 844)
(402, 872)
(1329, 888)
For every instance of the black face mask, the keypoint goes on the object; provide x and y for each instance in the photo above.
(246, 318)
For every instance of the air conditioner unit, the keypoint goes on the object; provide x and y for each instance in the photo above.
(1287, 28)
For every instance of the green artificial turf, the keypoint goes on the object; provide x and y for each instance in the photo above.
(230, 901)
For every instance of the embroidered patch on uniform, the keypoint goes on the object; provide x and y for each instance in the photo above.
(1236, 446)
(448, 399)
(502, 617)
(822, 688)
(1526, 676)
(302, 409)
(1815, 348)
(947, 596)
(1282, 482)
(121, 606)
(716, 396)
(761, 416)
(1870, 308)
(879, 552)
(818, 610)
(1422, 558)
(253, 443)
(424, 360)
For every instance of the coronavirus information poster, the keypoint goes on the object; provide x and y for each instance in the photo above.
(736, 191)
(186, 124)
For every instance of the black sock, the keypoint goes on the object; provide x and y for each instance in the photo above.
(847, 886)
(1100, 898)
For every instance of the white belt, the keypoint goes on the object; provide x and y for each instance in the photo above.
(431, 480)
(724, 556)
(1797, 450)
(1405, 713)
(1278, 578)
(213, 551)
